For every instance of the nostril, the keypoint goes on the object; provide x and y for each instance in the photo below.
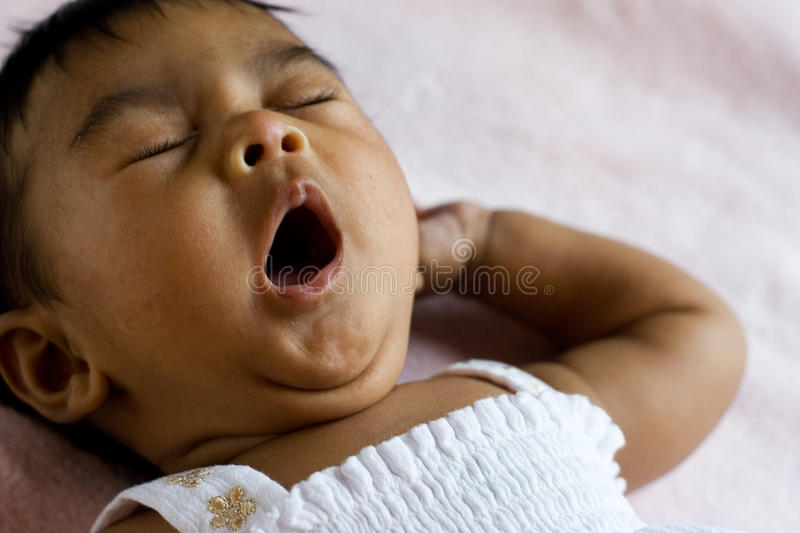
(292, 142)
(253, 154)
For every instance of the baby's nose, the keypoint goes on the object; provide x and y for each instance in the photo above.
(261, 136)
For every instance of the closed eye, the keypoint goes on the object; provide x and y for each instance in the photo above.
(320, 98)
(160, 147)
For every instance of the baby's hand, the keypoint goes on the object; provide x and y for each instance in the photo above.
(451, 237)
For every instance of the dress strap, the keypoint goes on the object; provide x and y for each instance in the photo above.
(201, 500)
(509, 376)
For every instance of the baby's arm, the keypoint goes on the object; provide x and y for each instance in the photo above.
(642, 339)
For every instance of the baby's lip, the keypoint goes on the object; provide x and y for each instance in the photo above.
(303, 248)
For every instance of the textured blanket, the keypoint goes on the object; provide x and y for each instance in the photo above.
(673, 126)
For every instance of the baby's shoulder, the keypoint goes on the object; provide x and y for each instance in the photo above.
(418, 402)
(434, 398)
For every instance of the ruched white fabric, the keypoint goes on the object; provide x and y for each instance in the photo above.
(533, 460)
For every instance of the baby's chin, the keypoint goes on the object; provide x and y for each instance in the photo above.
(338, 388)
(353, 356)
(331, 371)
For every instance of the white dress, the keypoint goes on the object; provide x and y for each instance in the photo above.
(534, 460)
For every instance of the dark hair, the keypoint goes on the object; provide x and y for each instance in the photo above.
(24, 276)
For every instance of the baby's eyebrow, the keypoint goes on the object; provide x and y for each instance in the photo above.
(270, 58)
(110, 107)
(274, 57)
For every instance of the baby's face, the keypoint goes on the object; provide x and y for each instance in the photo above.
(205, 128)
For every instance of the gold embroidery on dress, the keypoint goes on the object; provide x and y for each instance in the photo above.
(192, 479)
(231, 510)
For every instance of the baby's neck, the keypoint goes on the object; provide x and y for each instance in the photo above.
(214, 451)
(294, 456)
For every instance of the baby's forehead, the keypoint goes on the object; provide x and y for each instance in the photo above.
(152, 48)
(177, 31)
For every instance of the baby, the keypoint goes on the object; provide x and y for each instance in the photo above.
(192, 202)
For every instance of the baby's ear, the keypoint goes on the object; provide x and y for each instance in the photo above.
(40, 370)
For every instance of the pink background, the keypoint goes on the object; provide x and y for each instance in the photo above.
(674, 126)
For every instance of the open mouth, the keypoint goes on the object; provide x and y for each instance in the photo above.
(303, 247)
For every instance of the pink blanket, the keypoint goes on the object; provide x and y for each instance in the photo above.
(674, 126)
